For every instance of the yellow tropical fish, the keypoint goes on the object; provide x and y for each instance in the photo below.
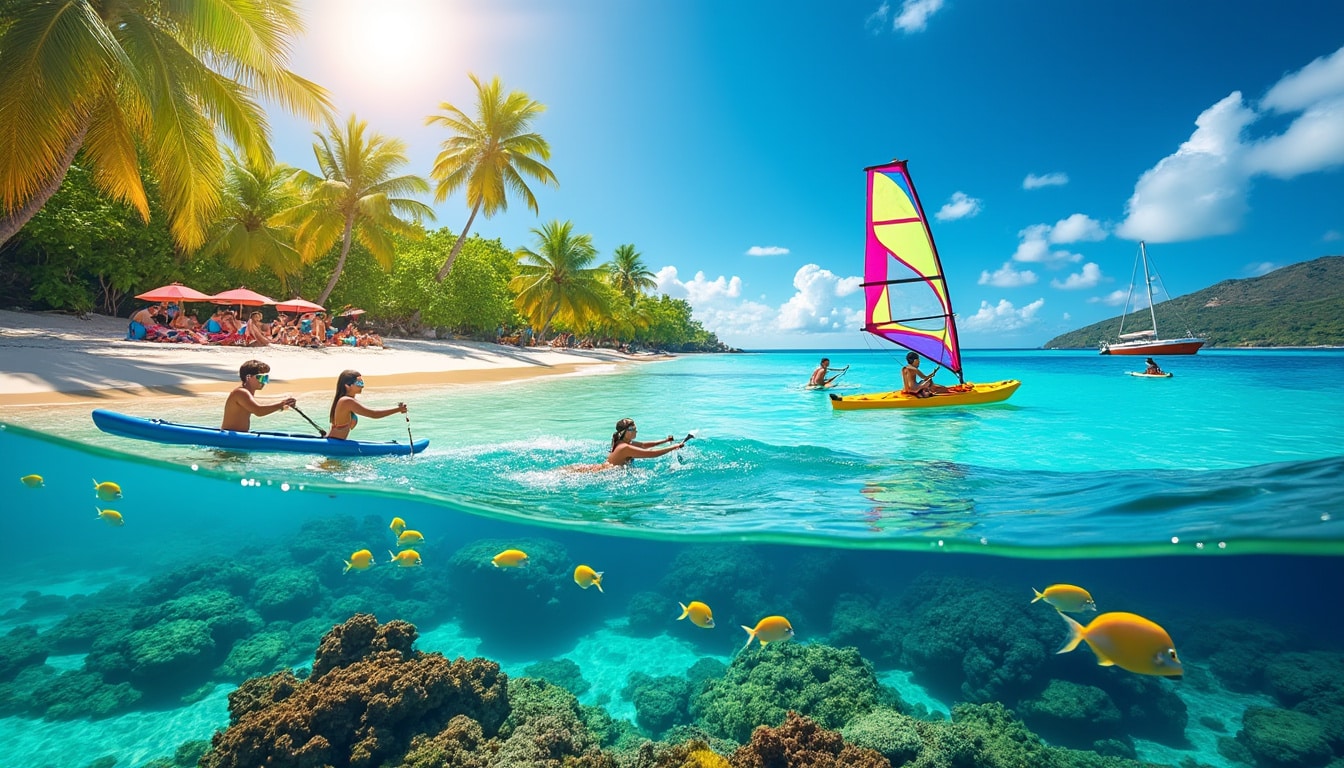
(510, 558)
(586, 577)
(1066, 597)
(1128, 641)
(700, 614)
(398, 525)
(771, 629)
(111, 517)
(32, 481)
(359, 561)
(107, 491)
(406, 558)
(409, 538)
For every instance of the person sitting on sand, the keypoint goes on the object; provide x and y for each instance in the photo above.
(254, 332)
(625, 448)
(242, 405)
(1152, 369)
(917, 383)
(346, 410)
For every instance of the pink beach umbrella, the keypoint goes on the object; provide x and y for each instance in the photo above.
(174, 292)
(241, 296)
(298, 305)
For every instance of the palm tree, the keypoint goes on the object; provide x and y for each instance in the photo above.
(251, 230)
(556, 278)
(489, 155)
(356, 197)
(166, 79)
(627, 272)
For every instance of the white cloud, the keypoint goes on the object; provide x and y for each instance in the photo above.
(814, 307)
(914, 15)
(1259, 268)
(877, 20)
(1332, 235)
(1007, 277)
(818, 304)
(1077, 228)
(1045, 180)
(1088, 278)
(1117, 298)
(1201, 190)
(766, 250)
(1034, 241)
(960, 206)
(1003, 316)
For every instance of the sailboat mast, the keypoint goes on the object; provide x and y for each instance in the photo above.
(1148, 281)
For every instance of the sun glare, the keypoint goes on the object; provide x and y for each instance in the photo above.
(385, 53)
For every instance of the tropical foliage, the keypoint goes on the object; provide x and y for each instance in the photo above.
(1298, 305)
(489, 155)
(628, 274)
(557, 279)
(115, 79)
(250, 230)
(357, 197)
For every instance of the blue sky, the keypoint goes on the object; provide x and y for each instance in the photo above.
(727, 140)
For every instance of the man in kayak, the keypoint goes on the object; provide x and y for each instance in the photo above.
(242, 406)
(916, 383)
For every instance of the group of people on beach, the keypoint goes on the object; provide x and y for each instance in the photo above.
(167, 322)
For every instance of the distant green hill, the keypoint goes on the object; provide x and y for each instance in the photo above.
(1301, 305)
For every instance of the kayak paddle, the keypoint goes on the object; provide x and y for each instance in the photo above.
(320, 430)
(409, 439)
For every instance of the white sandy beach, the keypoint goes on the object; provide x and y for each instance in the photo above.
(51, 359)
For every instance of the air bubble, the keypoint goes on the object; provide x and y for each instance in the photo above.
(1222, 545)
(1325, 517)
(1175, 539)
(1199, 545)
(244, 482)
(194, 467)
(284, 486)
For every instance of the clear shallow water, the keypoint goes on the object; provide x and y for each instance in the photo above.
(191, 532)
(1240, 448)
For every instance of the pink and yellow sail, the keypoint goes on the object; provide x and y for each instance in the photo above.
(900, 251)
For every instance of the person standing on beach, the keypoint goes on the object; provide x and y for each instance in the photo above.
(242, 404)
(346, 410)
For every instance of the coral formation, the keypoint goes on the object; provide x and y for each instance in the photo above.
(800, 742)
(826, 684)
(18, 650)
(562, 672)
(1072, 715)
(369, 692)
(660, 702)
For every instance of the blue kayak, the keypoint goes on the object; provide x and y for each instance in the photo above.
(160, 431)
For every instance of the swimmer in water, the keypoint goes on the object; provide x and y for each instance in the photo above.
(625, 448)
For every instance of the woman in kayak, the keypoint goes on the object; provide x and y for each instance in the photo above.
(346, 410)
(625, 448)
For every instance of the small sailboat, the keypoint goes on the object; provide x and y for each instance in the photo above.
(1148, 342)
(899, 250)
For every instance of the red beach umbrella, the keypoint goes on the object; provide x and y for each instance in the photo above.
(241, 296)
(173, 292)
(298, 305)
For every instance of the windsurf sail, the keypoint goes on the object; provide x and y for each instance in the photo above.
(900, 251)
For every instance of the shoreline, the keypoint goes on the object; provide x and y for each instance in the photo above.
(51, 359)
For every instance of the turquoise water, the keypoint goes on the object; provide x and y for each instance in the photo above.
(854, 525)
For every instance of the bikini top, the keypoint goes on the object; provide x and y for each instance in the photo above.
(354, 419)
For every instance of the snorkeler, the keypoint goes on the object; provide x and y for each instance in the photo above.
(625, 448)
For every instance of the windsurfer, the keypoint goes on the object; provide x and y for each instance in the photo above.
(916, 382)
(819, 375)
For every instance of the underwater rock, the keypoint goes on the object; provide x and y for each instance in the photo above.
(290, 594)
(225, 615)
(1297, 677)
(562, 672)
(481, 595)
(1282, 738)
(830, 685)
(1237, 650)
(648, 614)
(368, 695)
(896, 736)
(801, 743)
(19, 649)
(260, 654)
(1072, 715)
(165, 659)
(226, 573)
(71, 695)
(868, 624)
(660, 702)
(77, 632)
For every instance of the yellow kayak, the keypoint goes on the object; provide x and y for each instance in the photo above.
(994, 392)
